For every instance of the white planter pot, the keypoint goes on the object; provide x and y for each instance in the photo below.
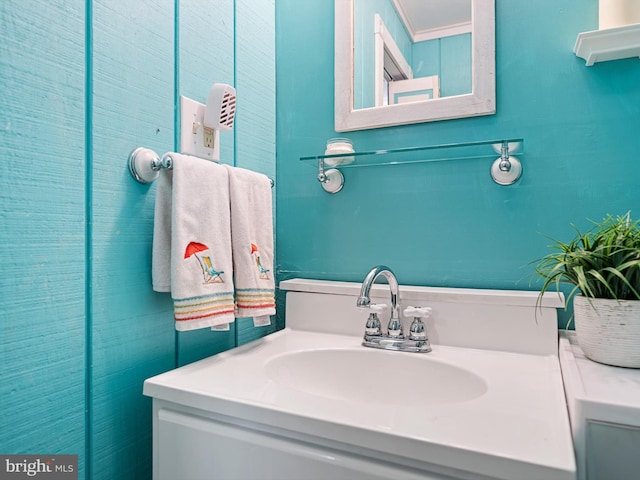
(609, 330)
(617, 13)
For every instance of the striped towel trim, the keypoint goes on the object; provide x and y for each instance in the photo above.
(203, 306)
(254, 298)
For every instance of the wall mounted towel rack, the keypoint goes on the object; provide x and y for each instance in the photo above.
(145, 164)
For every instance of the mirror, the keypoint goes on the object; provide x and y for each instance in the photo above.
(410, 61)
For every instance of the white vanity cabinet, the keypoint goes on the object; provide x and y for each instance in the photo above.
(191, 444)
(604, 409)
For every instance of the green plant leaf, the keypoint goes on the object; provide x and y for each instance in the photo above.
(603, 262)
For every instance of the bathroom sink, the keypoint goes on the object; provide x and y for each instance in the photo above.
(488, 401)
(375, 376)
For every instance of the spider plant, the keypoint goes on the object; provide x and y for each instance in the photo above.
(603, 262)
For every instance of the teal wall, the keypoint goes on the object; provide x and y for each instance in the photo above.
(82, 83)
(448, 57)
(363, 49)
(447, 223)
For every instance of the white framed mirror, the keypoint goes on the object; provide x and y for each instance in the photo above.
(410, 61)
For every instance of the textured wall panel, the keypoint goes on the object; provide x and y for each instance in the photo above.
(205, 56)
(132, 327)
(255, 121)
(255, 84)
(42, 287)
(76, 267)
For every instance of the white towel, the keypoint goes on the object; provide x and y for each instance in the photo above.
(192, 242)
(252, 243)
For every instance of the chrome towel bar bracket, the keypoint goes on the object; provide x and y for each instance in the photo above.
(145, 164)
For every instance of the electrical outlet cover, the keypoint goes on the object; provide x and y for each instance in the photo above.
(192, 139)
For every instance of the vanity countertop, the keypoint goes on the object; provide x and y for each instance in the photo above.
(316, 383)
(604, 409)
(601, 392)
(517, 429)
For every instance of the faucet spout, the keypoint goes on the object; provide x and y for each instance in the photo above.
(364, 299)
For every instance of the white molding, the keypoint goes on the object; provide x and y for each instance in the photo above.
(404, 17)
(415, 85)
(392, 47)
(384, 40)
(431, 33)
(378, 70)
(481, 101)
(441, 32)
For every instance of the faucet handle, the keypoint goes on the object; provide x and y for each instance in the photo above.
(417, 331)
(372, 328)
(378, 307)
(417, 312)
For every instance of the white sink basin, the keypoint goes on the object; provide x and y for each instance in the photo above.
(488, 401)
(375, 376)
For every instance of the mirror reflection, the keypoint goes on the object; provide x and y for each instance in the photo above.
(409, 61)
(411, 50)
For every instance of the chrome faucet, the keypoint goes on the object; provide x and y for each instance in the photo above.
(395, 325)
(394, 339)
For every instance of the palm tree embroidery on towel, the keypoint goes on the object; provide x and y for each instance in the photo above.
(264, 272)
(201, 253)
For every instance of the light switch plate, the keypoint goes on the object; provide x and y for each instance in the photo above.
(192, 137)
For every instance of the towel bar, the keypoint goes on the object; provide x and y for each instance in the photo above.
(145, 165)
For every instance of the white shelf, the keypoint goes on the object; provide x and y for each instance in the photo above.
(609, 44)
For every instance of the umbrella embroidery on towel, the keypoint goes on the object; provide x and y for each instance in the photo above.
(264, 272)
(202, 254)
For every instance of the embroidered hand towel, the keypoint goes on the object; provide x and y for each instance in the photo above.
(252, 244)
(192, 242)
